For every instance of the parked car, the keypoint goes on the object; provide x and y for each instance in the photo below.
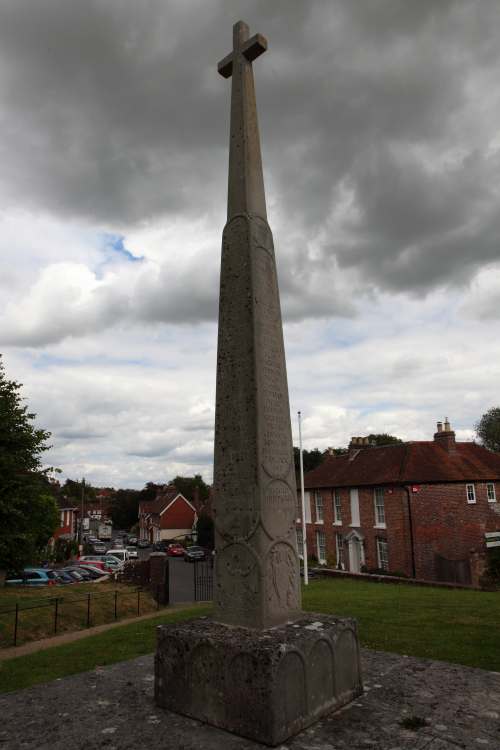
(33, 577)
(175, 550)
(96, 573)
(121, 554)
(194, 553)
(96, 562)
(78, 576)
(161, 546)
(132, 552)
(133, 540)
(99, 548)
(109, 562)
(63, 577)
(143, 543)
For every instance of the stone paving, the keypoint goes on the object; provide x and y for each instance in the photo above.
(112, 708)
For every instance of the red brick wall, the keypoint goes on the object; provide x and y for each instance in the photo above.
(443, 523)
(178, 516)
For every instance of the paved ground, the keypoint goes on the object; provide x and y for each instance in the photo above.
(113, 708)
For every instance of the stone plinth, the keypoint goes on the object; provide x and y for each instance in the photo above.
(266, 685)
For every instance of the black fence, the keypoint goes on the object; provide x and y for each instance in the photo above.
(70, 613)
(203, 580)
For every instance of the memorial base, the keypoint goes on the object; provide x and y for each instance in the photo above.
(266, 685)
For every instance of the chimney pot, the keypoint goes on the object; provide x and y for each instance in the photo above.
(439, 426)
(447, 426)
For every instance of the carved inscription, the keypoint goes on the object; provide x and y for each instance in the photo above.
(279, 509)
(235, 430)
(237, 585)
(282, 578)
(275, 415)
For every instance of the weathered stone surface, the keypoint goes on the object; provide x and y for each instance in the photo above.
(267, 684)
(112, 708)
(254, 479)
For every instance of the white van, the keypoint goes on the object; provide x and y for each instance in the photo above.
(121, 554)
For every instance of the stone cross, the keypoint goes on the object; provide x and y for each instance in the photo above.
(257, 567)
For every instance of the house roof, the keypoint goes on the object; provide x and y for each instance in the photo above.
(407, 463)
(164, 498)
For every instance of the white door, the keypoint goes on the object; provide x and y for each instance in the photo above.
(354, 555)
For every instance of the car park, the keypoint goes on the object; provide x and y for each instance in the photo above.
(191, 554)
(109, 562)
(33, 577)
(121, 554)
(175, 550)
(95, 572)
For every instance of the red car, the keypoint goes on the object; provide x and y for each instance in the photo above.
(175, 550)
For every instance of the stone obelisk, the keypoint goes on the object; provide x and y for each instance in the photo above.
(260, 668)
(257, 567)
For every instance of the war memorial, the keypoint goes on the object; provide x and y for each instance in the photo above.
(260, 668)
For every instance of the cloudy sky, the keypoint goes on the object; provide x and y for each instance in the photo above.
(381, 144)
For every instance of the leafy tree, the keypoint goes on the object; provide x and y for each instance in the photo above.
(384, 439)
(187, 486)
(28, 511)
(124, 508)
(488, 429)
(311, 459)
(205, 531)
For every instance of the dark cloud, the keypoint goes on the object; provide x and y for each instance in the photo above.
(114, 113)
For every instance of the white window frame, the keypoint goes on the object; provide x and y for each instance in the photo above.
(470, 490)
(300, 541)
(321, 535)
(319, 507)
(340, 550)
(492, 498)
(337, 508)
(382, 556)
(354, 500)
(307, 504)
(379, 508)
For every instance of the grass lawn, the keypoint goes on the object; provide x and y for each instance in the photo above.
(37, 608)
(117, 644)
(451, 625)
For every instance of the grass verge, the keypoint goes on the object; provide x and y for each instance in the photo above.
(37, 608)
(117, 644)
(457, 626)
(454, 625)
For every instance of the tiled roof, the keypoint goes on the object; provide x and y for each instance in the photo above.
(411, 463)
(164, 497)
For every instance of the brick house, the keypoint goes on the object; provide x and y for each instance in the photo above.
(169, 516)
(68, 515)
(427, 509)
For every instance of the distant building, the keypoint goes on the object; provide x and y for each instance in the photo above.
(169, 516)
(68, 514)
(429, 510)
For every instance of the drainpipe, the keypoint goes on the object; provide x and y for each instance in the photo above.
(410, 519)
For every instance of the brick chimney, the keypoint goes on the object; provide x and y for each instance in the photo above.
(445, 436)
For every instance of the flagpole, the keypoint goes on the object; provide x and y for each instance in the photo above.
(303, 505)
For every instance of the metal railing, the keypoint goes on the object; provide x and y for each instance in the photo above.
(86, 614)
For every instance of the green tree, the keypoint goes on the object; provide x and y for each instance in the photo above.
(187, 486)
(205, 531)
(28, 511)
(124, 508)
(383, 439)
(311, 459)
(488, 429)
